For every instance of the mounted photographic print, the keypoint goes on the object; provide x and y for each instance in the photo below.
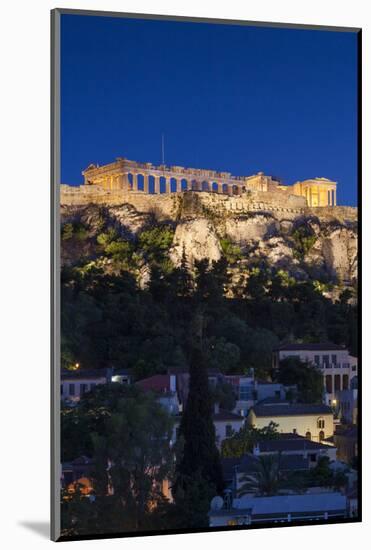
(205, 355)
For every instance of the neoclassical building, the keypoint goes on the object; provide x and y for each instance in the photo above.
(137, 177)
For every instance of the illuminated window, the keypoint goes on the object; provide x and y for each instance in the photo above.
(321, 423)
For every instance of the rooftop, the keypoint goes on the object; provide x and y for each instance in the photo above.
(292, 503)
(290, 410)
(83, 373)
(321, 346)
(299, 443)
(157, 383)
(92, 374)
(294, 462)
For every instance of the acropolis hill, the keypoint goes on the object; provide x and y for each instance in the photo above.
(146, 187)
(258, 214)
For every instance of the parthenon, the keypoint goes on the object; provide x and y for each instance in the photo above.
(128, 176)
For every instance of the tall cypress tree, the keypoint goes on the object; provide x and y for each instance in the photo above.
(200, 455)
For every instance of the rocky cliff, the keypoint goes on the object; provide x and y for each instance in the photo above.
(307, 243)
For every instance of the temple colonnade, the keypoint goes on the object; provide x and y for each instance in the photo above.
(136, 177)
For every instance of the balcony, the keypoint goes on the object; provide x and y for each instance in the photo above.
(333, 365)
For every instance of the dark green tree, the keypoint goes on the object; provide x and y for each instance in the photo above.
(200, 452)
(243, 441)
(264, 479)
(307, 377)
(127, 434)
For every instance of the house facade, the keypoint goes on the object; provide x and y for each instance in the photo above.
(226, 424)
(315, 422)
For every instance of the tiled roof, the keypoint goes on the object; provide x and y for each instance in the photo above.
(156, 383)
(297, 444)
(321, 346)
(81, 373)
(290, 410)
(250, 462)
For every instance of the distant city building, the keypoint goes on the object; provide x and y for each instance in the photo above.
(164, 386)
(74, 383)
(347, 403)
(337, 366)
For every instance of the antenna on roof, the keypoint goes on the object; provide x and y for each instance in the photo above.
(163, 148)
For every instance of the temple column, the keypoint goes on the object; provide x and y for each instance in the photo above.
(335, 203)
(120, 181)
(145, 184)
(310, 196)
(178, 186)
(135, 182)
(167, 185)
(125, 182)
(157, 184)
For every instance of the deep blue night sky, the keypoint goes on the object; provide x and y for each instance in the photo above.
(227, 97)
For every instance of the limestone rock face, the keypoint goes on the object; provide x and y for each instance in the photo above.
(244, 230)
(339, 250)
(199, 240)
(267, 237)
(277, 252)
(127, 218)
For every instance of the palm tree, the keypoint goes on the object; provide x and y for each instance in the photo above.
(264, 478)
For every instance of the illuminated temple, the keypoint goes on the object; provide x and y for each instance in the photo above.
(131, 177)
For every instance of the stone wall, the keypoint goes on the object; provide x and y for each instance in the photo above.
(331, 213)
(189, 202)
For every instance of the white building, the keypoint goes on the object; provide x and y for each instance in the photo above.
(346, 404)
(337, 366)
(226, 424)
(75, 383)
(249, 391)
(315, 422)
